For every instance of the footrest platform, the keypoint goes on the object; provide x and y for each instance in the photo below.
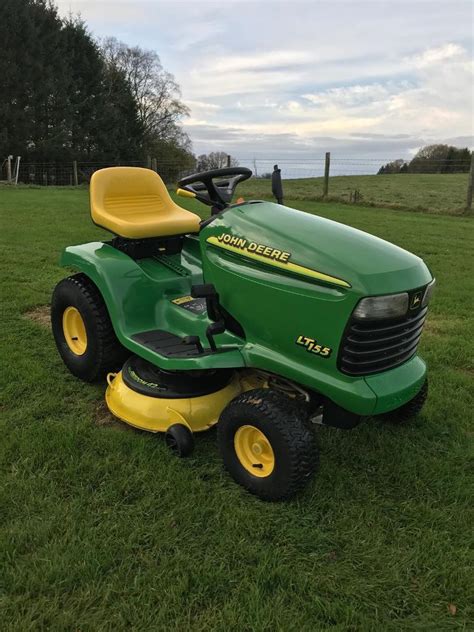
(167, 344)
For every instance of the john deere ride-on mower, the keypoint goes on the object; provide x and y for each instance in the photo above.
(261, 319)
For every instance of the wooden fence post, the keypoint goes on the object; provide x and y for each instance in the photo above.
(228, 160)
(74, 172)
(154, 165)
(470, 185)
(148, 162)
(17, 168)
(327, 164)
(9, 168)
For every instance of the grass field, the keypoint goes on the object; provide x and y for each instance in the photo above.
(434, 193)
(102, 529)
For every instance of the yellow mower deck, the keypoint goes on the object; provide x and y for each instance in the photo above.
(155, 414)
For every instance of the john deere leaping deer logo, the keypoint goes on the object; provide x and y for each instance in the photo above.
(416, 300)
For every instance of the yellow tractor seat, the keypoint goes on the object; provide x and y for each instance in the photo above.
(134, 203)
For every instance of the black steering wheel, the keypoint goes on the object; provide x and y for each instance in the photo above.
(217, 194)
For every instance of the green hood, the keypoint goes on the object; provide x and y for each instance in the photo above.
(368, 264)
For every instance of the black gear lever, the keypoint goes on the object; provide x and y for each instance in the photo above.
(208, 291)
(213, 330)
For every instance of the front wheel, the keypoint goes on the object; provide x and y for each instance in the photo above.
(83, 331)
(179, 440)
(410, 409)
(267, 445)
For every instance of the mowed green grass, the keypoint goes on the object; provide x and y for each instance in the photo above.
(102, 529)
(434, 193)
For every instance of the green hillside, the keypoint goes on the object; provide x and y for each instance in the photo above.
(435, 193)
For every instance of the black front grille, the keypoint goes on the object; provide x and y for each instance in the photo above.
(374, 347)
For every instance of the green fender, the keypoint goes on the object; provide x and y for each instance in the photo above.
(118, 278)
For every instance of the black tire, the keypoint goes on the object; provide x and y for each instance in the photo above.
(408, 410)
(287, 431)
(179, 440)
(103, 353)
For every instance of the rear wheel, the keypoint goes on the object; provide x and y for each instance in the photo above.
(410, 409)
(83, 331)
(266, 444)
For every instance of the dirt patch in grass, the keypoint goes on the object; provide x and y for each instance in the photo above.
(40, 315)
(103, 417)
(467, 371)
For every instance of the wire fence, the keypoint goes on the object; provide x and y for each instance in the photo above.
(296, 168)
(78, 173)
(303, 178)
(71, 173)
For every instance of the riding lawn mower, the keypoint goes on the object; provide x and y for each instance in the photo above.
(262, 320)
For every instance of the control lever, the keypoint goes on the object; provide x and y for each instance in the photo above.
(193, 340)
(208, 291)
(192, 194)
(213, 330)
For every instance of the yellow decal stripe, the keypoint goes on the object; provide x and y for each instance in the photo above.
(289, 266)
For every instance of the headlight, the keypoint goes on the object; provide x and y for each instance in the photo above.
(377, 307)
(428, 293)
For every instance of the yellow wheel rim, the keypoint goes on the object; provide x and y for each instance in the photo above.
(74, 331)
(254, 451)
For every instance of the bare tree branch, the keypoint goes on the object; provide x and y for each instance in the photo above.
(155, 90)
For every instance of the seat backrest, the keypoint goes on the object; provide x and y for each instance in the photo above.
(134, 202)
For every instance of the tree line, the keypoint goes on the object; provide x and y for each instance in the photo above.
(66, 96)
(432, 159)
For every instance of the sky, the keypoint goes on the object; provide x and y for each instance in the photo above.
(269, 79)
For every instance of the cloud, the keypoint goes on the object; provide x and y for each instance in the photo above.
(356, 95)
(201, 109)
(196, 33)
(434, 56)
(366, 78)
(267, 61)
(247, 75)
(435, 100)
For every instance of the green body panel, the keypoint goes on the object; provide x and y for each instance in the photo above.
(394, 388)
(138, 296)
(273, 305)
